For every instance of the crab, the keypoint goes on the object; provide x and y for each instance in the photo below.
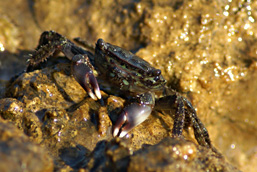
(129, 75)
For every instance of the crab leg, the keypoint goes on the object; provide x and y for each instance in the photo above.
(184, 109)
(51, 43)
(179, 120)
(201, 133)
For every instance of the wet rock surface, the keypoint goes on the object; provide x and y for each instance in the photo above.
(51, 108)
(168, 155)
(205, 49)
(18, 153)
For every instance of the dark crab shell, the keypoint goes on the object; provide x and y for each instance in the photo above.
(126, 70)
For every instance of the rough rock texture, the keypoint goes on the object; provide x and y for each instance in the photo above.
(51, 108)
(205, 49)
(18, 153)
(168, 155)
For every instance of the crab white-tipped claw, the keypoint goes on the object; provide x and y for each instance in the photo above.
(98, 93)
(95, 86)
(91, 80)
(131, 116)
(122, 134)
(121, 120)
(82, 72)
(90, 83)
(91, 94)
(115, 132)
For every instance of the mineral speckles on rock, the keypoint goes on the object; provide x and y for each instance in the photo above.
(11, 108)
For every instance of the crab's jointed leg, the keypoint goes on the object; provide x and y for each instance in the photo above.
(184, 110)
(52, 43)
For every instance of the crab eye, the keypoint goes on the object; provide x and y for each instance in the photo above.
(100, 43)
(154, 72)
(157, 72)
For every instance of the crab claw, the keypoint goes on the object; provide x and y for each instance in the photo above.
(82, 71)
(131, 116)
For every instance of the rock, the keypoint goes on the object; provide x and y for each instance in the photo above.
(206, 50)
(168, 155)
(18, 153)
